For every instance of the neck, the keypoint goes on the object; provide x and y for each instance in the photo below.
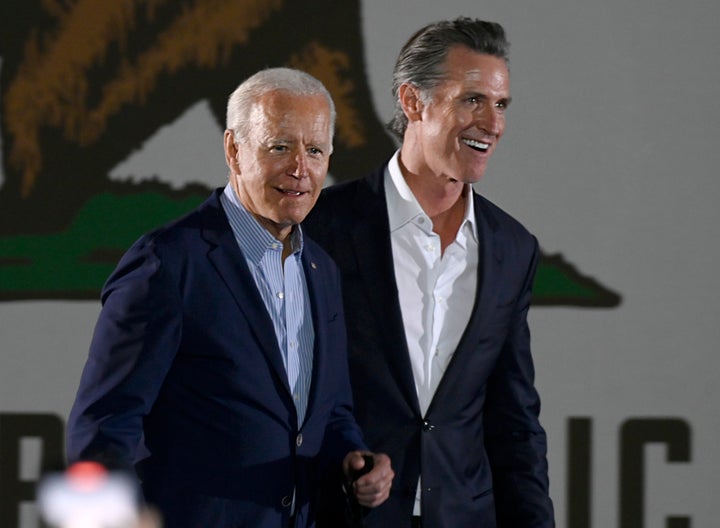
(287, 248)
(443, 200)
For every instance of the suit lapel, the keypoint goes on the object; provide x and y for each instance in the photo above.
(373, 250)
(316, 291)
(229, 261)
(491, 256)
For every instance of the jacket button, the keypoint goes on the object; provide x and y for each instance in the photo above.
(299, 440)
(286, 501)
(427, 426)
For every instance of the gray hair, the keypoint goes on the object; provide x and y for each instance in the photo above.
(422, 59)
(295, 82)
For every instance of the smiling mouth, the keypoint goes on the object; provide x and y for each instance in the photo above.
(290, 192)
(476, 145)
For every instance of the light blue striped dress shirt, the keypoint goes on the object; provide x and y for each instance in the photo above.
(284, 291)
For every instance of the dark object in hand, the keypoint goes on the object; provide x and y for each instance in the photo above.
(367, 468)
(355, 513)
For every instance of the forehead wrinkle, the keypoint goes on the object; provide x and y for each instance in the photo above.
(276, 119)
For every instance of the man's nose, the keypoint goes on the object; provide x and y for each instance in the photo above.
(300, 164)
(491, 120)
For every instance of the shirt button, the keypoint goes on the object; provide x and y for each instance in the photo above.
(299, 440)
(281, 295)
(286, 501)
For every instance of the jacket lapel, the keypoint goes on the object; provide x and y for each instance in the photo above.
(229, 262)
(319, 305)
(373, 250)
(491, 256)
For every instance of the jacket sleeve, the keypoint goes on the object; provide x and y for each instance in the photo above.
(135, 340)
(515, 440)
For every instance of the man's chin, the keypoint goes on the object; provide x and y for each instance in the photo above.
(471, 179)
(475, 175)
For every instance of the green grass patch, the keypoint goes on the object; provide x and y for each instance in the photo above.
(76, 262)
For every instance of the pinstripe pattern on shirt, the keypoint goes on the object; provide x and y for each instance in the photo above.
(283, 288)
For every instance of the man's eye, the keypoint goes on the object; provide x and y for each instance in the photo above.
(315, 151)
(278, 148)
(474, 99)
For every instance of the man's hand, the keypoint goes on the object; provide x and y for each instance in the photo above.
(372, 488)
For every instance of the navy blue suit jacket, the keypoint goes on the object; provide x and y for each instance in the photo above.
(480, 445)
(185, 380)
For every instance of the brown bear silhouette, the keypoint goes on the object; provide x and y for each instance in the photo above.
(84, 83)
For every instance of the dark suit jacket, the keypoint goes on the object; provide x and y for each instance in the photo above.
(185, 354)
(480, 446)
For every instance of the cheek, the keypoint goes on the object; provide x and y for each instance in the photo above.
(256, 185)
(501, 128)
(451, 124)
(463, 120)
(319, 169)
(312, 201)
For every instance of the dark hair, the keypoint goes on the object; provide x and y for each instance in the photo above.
(422, 58)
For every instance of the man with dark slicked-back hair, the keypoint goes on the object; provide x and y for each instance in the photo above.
(437, 285)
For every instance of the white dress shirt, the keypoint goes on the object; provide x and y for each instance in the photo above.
(436, 290)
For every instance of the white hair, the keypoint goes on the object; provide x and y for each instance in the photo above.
(290, 80)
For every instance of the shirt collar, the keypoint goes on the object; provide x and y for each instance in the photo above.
(253, 238)
(403, 207)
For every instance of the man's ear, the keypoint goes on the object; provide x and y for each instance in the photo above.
(410, 101)
(231, 151)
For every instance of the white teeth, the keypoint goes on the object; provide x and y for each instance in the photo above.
(476, 144)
